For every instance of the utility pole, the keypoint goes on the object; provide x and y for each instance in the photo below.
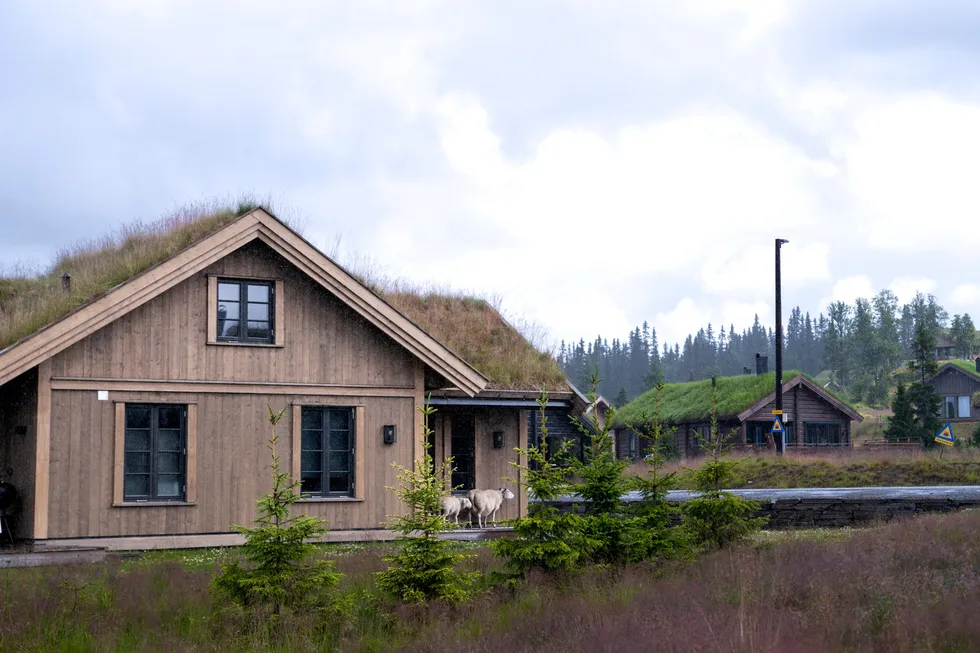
(779, 344)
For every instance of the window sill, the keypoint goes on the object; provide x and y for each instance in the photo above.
(330, 500)
(246, 344)
(153, 504)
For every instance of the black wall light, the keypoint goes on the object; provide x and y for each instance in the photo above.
(498, 439)
(388, 433)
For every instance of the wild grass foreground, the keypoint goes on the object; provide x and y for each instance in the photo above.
(908, 586)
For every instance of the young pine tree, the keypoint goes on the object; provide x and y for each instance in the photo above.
(277, 548)
(424, 567)
(545, 539)
(902, 425)
(716, 518)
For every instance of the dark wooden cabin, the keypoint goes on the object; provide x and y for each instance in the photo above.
(956, 383)
(812, 417)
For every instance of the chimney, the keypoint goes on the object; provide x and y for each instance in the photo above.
(761, 364)
(66, 283)
(978, 365)
(746, 371)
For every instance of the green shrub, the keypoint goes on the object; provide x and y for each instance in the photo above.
(278, 549)
(975, 436)
(424, 567)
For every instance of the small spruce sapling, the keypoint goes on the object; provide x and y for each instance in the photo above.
(424, 566)
(278, 548)
(717, 518)
(545, 539)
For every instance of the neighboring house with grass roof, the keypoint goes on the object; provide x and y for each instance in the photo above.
(812, 417)
(958, 383)
(134, 393)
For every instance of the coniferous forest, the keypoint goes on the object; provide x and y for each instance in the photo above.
(855, 346)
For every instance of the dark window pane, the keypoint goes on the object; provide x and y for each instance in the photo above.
(258, 293)
(339, 483)
(169, 417)
(339, 441)
(340, 419)
(169, 486)
(258, 330)
(258, 312)
(312, 441)
(137, 440)
(137, 417)
(228, 311)
(168, 463)
(137, 485)
(229, 329)
(228, 291)
(312, 461)
(312, 418)
(339, 462)
(312, 484)
(137, 463)
(170, 441)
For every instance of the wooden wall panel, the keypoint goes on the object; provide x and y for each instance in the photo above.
(953, 382)
(18, 442)
(324, 340)
(231, 464)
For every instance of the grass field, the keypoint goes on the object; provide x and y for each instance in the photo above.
(851, 469)
(908, 586)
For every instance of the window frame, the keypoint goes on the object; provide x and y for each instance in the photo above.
(824, 424)
(243, 302)
(184, 450)
(354, 471)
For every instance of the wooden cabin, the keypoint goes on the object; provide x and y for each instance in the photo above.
(812, 417)
(139, 418)
(957, 383)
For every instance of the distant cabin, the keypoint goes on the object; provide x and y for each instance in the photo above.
(137, 417)
(957, 382)
(812, 417)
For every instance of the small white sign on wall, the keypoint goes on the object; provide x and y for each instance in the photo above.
(103, 395)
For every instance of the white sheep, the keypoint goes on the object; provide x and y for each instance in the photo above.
(486, 503)
(452, 506)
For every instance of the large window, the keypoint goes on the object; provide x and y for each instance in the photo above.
(245, 311)
(956, 407)
(154, 464)
(822, 433)
(327, 457)
(757, 433)
(462, 446)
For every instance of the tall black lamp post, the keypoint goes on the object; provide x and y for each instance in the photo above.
(779, 344)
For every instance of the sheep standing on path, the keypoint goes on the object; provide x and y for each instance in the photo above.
(486, 503)
(452, 506)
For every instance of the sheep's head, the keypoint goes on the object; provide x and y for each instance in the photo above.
(506, 493)
(465, 504)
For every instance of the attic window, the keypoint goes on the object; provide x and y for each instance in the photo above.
(245, 311)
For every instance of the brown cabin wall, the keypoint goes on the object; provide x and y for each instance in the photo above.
(325, 342)
(18, 442)
(952, 382)
(231, 464)
(802, 405)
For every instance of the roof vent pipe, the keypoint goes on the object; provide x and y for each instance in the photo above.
(66, 283)
(761, 364)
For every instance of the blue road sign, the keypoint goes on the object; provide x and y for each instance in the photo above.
(777, 426)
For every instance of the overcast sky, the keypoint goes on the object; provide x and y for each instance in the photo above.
(593, 164)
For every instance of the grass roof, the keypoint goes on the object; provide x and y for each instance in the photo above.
(478, 334)
(470, 327)
(693, 402)
(29, 302)
(969, 367)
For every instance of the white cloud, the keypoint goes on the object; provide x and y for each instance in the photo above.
(848, 289)
(967, 297)
(688, 316)
(906, 287)
(751, 270)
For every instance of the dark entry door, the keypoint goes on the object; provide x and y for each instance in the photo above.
(462, 447)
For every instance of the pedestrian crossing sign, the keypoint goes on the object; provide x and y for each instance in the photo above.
(777, 426)
(946, 436)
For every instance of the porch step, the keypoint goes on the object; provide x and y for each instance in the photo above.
(40, 556)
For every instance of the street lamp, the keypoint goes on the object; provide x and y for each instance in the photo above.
(779, 345)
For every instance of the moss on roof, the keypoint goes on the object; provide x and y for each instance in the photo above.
(969, 367)
(692, 402)
(29, 302)
(470, 327)
(478, 334)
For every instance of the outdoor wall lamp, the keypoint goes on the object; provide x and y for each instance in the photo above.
(498, 439)
(388, 433)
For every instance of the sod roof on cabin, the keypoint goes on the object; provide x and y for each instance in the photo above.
(970, 367)
(469, 327)
(693, 402)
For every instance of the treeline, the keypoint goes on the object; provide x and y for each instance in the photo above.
(858, 345)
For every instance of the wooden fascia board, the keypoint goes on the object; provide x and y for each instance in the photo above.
(820, 392)
(745, 414)
(124, 298)
(955, 368)
(405, 332)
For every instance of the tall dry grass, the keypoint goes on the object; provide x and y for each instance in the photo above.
(29, 301)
